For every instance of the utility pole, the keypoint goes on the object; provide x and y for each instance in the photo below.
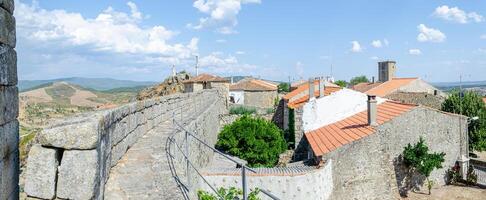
(197, 65)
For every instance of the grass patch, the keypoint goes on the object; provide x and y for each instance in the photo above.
(242, 110)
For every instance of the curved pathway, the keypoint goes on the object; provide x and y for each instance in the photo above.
(143, 172)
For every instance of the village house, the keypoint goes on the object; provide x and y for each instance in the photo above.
(406, 90)
(364, 136)
(205, 81)
(253, 92)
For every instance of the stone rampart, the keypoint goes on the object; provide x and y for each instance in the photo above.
(9, 125)
(75, 155)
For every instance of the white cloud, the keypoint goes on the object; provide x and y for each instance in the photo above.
(457, 15)
(222, 14)
(386, 42)
(299, 67)
(376, 43)
(217, 62)
(356, 47)
(109, 31)
(240, 52)
(483, 37)
(414, 52)
(429, 34)
(374, 58)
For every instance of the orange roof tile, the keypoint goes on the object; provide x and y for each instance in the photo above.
(302, 100)
(304, 87)
(389, 86)
(206, 78)
(363, 87)
(335, 135)
(254, 85)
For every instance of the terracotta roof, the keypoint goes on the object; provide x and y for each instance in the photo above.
(303, 82)
(305, 87)
(254, 85)
(363, 87)
(389, 86)
(206, 78)
(302, 100)
(335, 135)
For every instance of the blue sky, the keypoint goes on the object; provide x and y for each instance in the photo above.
(140, 40)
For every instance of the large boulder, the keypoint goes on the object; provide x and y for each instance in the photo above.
(41, 172)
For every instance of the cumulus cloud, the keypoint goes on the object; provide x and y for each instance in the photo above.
(376, 43)
(222, 14)
(240, 52)
(457, 15)
(217, 62)
(414, 52)
(356, 47)
(429, 34)
(110, 31)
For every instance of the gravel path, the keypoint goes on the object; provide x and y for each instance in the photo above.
(143, 172)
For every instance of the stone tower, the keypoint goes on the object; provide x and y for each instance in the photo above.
(9, 104)
(386, 70)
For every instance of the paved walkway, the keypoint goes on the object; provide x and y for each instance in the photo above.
(143, 172)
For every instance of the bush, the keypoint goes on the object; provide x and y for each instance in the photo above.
(470, 104)
(341, 83)
(256, 140)
(242, 110)
(228, 194)
(283, 87)
(359, 79)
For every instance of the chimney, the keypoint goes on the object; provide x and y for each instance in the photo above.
(373, 79)
(322, 87)
(372, 110)
(311, 88)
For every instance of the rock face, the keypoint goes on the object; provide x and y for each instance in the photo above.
(7, 32)
(78, 175)
(41, 172)
(170, 85)
(8, 65)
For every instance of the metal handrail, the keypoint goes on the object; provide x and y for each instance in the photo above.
(188, 133)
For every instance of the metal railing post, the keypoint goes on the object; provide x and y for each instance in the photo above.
(188, 174)
(243, 181)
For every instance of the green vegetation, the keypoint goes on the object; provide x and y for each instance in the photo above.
(418, 159)
(290, 133)
(61, 93)
(27, 136)
(242, 110)
(283, 87)
(471, 105)
(341, 83)
(228, 194)
(359, 79)
(256, 140)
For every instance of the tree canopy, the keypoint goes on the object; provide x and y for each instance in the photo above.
(359, 79)
(470, 104)
(341, 83)
(283, 87)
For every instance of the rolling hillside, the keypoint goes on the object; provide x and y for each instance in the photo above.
(101, 84)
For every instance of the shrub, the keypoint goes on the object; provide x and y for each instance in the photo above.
(472, 178)
(418, 159)
(228, 194)
(242, 110)
(341, 83)
(269, 111)
(359, 79)
(283, 87)
(454, 175)
(255, 140)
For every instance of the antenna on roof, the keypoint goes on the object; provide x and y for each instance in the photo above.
(197, 65)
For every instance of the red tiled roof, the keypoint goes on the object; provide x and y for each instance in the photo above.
(363, 87)
(254, 85)
(302, 100)
(335, 135)
(206, 78)
(305, 87)
(389, 86)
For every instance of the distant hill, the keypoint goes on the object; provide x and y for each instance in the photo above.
(100, 84)
(447, 86)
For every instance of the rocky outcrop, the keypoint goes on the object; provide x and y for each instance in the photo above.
(171, 85)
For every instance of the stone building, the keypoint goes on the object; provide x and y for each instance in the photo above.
(364, 136)
(253, 92)
(205, 81)
(9, 125)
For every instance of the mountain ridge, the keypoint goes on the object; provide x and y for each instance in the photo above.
(100, 84)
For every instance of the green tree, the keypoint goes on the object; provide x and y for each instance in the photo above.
(341, 83)
(228, 194)
(470, 104)
(256, 140)
(359, 79)
(418, 159)
(283, 87)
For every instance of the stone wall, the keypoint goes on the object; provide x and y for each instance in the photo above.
(9, 126)
(370, 168)
(262, 99)
(75, 155)
(419, 98)
(285, 183)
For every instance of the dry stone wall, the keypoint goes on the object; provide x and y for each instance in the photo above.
(75, 155)
(9, 126)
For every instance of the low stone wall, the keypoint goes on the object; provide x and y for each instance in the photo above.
(9, 126)
(75, 155)
(299, 182)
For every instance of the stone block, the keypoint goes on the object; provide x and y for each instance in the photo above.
(9, 175)
(78, 176)
(120, 131)
(7, 32)
(66, 134)
(9, 138)
(41, 172)
(8, 5)
(8, 65)
(9, 104)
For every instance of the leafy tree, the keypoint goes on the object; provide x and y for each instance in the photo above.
(228, 194)
(470, 104)
(283, 87)
(256, 140)
(359, 79)
(418, 159)
(341, 83)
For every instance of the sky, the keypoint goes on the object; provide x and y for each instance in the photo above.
(438, 41)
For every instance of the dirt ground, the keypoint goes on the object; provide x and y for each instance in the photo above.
(450, 193)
